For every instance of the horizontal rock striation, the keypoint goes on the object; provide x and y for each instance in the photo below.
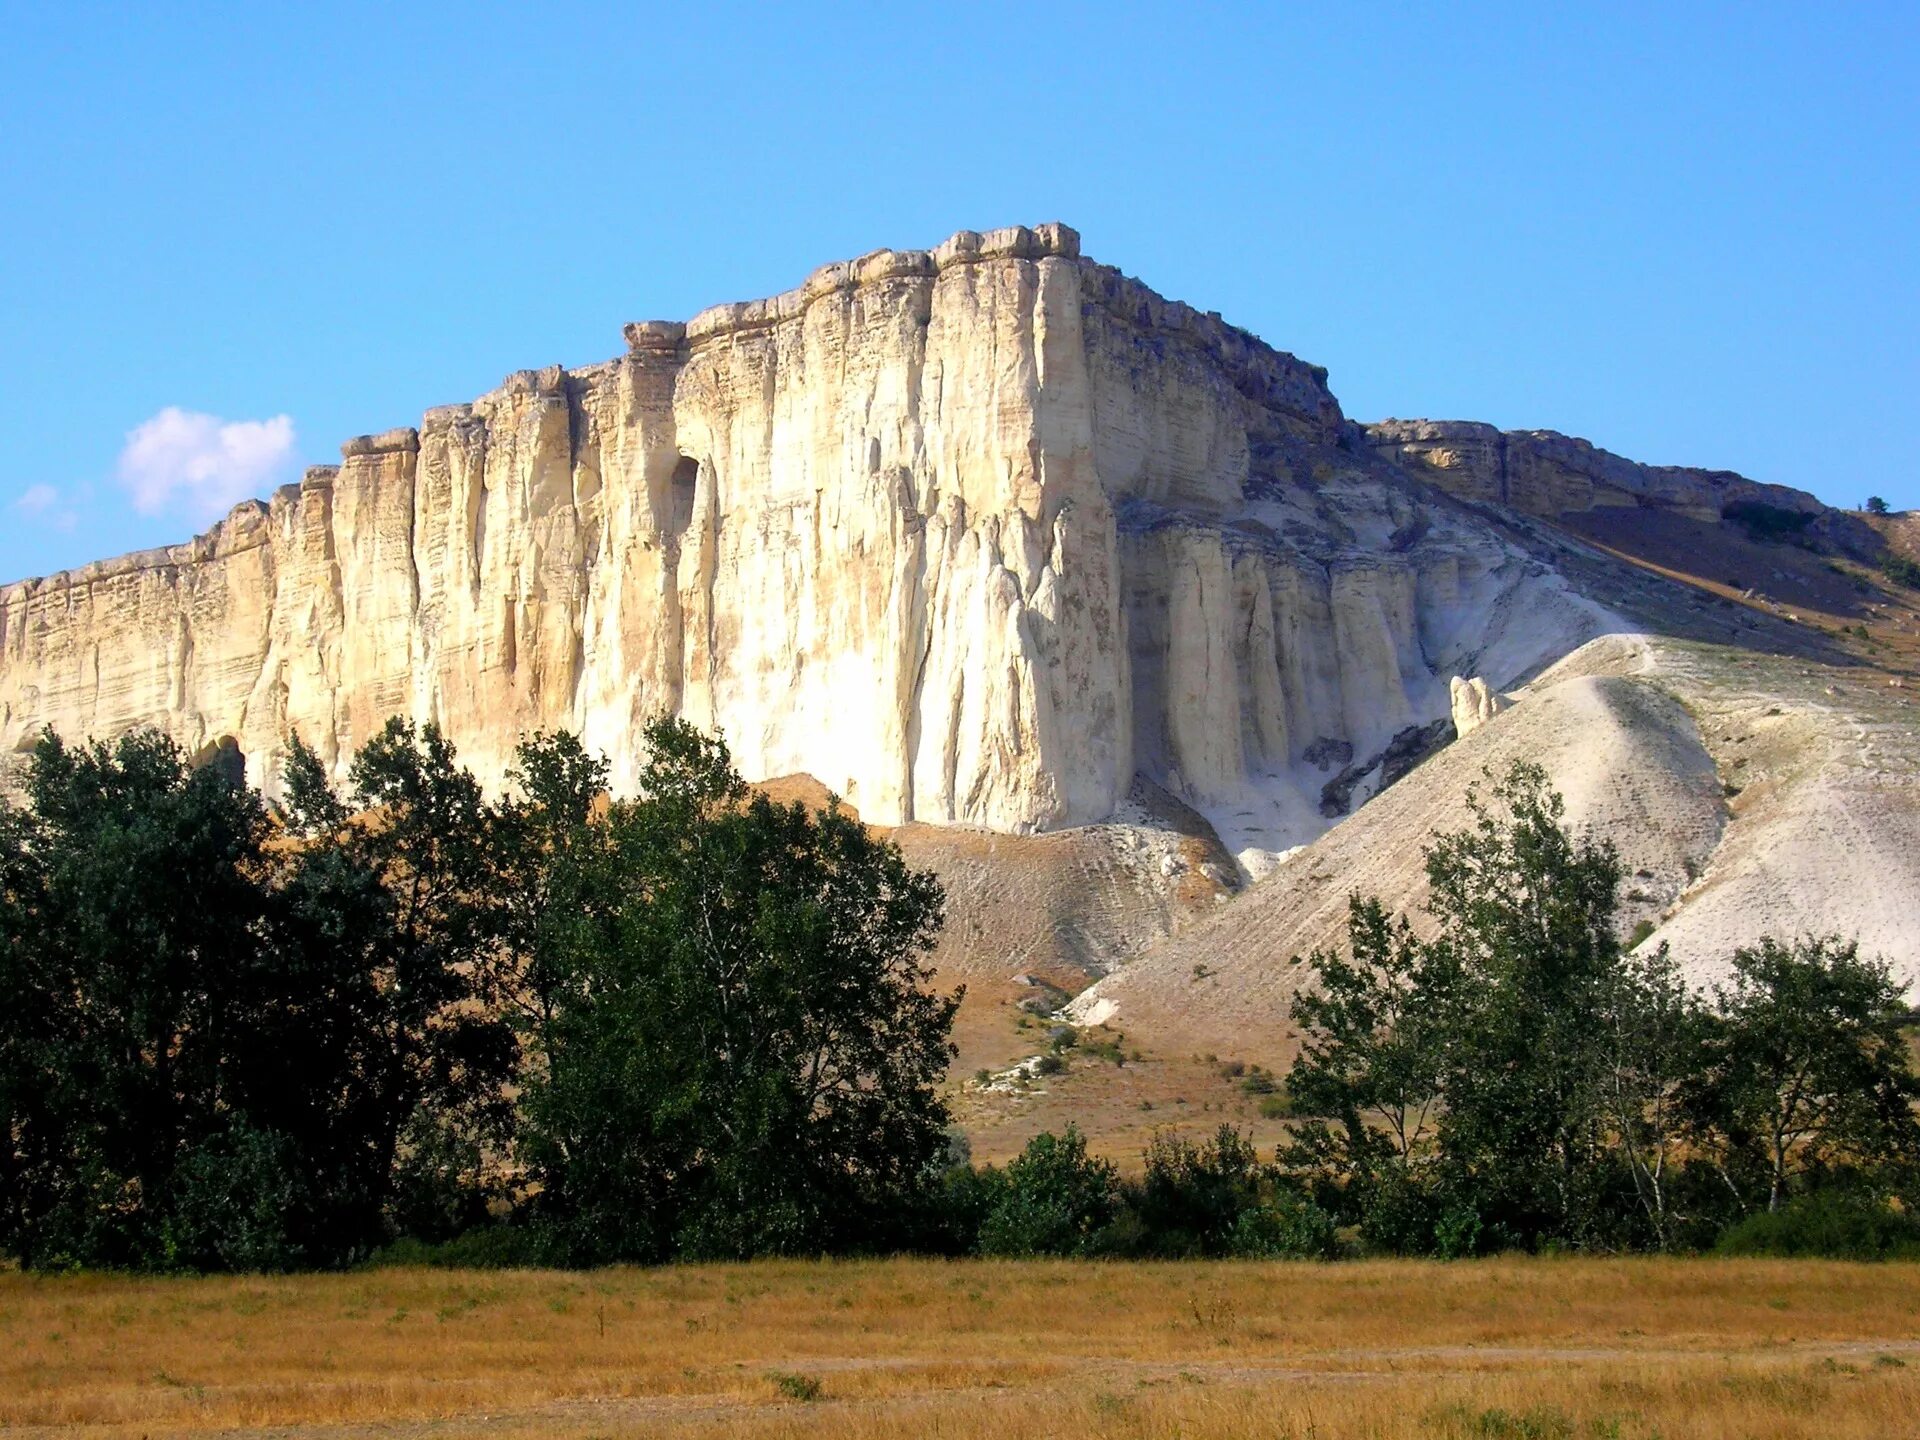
(1543, 472)
(972, 535)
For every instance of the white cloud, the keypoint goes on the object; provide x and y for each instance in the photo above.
(201, 464)
(45, 504)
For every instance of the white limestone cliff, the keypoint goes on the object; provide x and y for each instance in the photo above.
(970, 535)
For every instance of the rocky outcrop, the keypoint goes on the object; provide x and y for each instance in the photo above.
(1542, 472)
(1473, 704)
(973, 535)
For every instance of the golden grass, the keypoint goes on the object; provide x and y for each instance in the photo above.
(1516, 1348)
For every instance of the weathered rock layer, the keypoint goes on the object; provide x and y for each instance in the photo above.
(1542, 472)
(971, 535)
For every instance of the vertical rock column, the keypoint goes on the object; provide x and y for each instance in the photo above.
(632, 635)
(373, 547)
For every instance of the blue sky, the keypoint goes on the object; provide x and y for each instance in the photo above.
(233, 237)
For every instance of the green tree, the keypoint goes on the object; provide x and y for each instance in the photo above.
(1876, 505)
(132, 966)
(394, 896)
(1520, 1077)
(1654, 1031)
(1374, 1033)
(741, 1055)
(1510, 1079)
(1525, 917)
(1809, 1073)
(551, 855)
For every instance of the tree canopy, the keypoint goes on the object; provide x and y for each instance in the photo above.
(741, 1055)
(1519, 1077)
(693, 1022)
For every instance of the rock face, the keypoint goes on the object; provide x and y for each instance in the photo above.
(1473, 704)
(972, 535)
(1542, 472)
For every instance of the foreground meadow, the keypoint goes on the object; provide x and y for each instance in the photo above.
(1509, 1347)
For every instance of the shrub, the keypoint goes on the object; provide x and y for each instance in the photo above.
(237, 1204)
(1456, 1234)
(1901, 570)
(1767, 522)
(486, 1247)
(1285, 1227)
(946, 1217)
(1396, 1212)
(796, 1387)
(1277, 1106)
(1831, 1223)
(1054, 1199)
(1191, 1197)
(1539, 1423)
(1104, 1049)
(439, 1186)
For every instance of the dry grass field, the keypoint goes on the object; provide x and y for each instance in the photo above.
(1503, 1348)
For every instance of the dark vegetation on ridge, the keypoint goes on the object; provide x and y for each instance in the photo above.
(553, 1028)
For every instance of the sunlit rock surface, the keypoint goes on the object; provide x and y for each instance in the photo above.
(971, 535)
(1473, 704)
